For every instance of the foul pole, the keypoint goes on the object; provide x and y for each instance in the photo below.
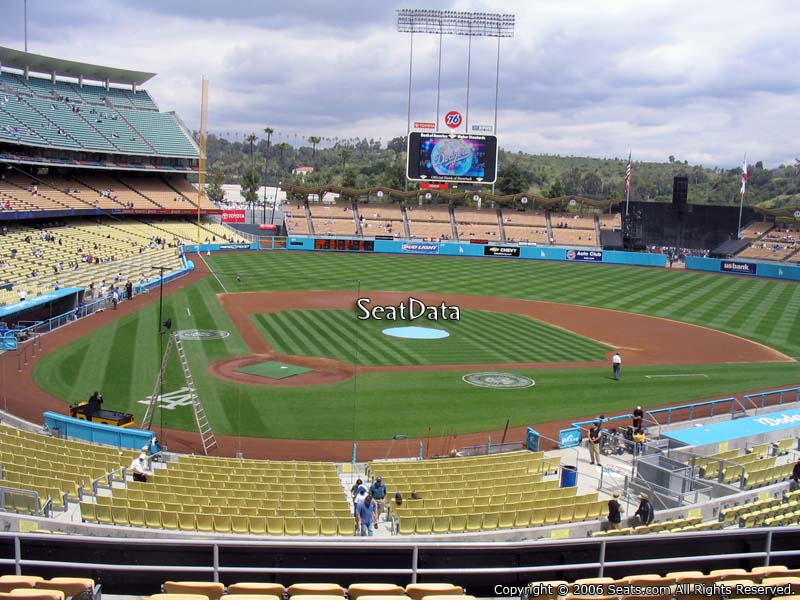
(201, 172)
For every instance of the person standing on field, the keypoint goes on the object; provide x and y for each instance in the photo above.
(616, 365)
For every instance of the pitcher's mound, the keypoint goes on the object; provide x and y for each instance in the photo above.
(273, 370)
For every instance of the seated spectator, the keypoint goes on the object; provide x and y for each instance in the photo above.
(139, 468)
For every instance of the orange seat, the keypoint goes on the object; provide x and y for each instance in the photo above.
(210, 589)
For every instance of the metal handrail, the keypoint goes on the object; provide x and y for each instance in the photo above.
(597, 559)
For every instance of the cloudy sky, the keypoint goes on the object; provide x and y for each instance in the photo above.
(705, 81)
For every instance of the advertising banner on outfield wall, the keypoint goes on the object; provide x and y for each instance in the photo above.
(745, 268)
(234, 246)
(420, 248)
(233, 216)
(501, 250)
(590, 255)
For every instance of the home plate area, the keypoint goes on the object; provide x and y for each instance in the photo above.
(273, 370)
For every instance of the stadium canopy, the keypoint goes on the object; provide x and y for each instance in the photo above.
(38, 63)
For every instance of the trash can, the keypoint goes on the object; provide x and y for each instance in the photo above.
(569, 476)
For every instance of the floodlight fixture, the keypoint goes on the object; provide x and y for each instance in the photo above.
(453, 22)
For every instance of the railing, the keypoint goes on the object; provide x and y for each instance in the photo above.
(761, 400)
(139, 566)
(732, 407)
(109, 477)
(21, 501)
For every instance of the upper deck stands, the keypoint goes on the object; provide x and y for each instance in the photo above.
(63, 114)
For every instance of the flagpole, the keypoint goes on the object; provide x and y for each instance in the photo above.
(741, 197)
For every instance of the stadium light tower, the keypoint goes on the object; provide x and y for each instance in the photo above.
(451, 22)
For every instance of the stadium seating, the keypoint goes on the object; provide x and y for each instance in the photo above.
(217, 495)
(36, 463)
(66, 115)
(483, 493)
(121, 255)
(342, 227)
(531, 235)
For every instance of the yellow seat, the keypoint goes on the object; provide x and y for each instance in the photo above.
(13, 582)
(424, 525)
(315, 589)
(418, 591)
(103, 514)
(328, 526)
(222, 523)
(490, 521)
(458, 523)
(292, 526)
(725, 574)
(356, 590)
(152, 518)
(210, 589)
(239, 524)
(204, 523)
(792, 582)
(441, 524)
(267, 589)
(186, 521)
(177, 597)
(258, 525)
(69, 586)
(37, 594)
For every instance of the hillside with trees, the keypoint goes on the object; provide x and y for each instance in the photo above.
(360, 163)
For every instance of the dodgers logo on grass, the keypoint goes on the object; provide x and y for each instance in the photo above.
(503, 381)
(201, 334)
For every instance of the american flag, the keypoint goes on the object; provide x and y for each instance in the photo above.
(744, 176)
(628, 175)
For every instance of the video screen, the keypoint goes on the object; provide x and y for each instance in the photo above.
(452, 157)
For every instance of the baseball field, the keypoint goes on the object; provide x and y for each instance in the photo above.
(282, 353)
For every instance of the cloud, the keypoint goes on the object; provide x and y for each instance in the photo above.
(703, 81)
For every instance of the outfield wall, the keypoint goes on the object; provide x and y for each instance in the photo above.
(498, 251)
(744, 267)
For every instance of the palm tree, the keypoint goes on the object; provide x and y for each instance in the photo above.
(251, 139)
(269, 131)
(282, 147)
(314, 140)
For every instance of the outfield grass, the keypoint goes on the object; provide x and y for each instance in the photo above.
(479, 337)
(122, 359)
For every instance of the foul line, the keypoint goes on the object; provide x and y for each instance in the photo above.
(224, 289)
(678, 375)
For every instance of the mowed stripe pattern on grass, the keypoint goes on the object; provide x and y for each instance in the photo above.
(763, 310)
(479, 337)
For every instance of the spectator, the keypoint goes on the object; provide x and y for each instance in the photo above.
(398, 498)
(638, 440)
(595, 437)
(645, 511)
(354, 490)
(367, 516)
(638, 418)
(614, 512)
(794, 482)
(378, 492)
(139, 468)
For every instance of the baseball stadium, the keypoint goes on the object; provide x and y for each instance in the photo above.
(509, 395)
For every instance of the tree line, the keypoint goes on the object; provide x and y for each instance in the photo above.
(362, 162)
